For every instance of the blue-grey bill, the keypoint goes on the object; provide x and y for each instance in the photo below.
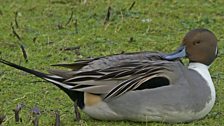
(180, 53)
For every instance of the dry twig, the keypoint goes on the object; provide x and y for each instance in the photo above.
(2, 119)
(16, 112)
(76, 26)
(70, 48)
(57, 118)
(77, 113)
(107, 18)
(35, 114)
(24, 52)
(20, 45)
(15, 33)
(132, 5)
(70, 19)
(16, 20)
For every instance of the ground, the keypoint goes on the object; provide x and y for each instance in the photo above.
(56, 31)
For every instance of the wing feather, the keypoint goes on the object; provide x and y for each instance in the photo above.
(116, 75)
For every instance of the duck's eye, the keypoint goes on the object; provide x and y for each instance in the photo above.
(196, 42)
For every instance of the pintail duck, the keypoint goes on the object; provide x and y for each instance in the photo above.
(143, 86)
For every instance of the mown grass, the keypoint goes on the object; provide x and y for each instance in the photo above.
(149, 25)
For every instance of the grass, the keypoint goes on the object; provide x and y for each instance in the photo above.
(150, 25)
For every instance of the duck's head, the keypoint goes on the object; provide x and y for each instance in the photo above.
(198, 45)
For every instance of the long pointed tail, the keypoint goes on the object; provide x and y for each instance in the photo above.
(36, 73)
(56, 80)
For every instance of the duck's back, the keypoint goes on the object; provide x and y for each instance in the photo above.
(119, 59)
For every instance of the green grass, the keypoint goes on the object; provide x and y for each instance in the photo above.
(154, 25)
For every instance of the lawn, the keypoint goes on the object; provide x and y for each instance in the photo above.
(57, 31)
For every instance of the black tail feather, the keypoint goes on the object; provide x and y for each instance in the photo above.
(72, 94)
(36, 73)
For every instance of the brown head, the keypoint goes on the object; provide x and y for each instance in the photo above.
(198, 45)
(201, 46)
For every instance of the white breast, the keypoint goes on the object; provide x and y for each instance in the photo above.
(203, 71)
